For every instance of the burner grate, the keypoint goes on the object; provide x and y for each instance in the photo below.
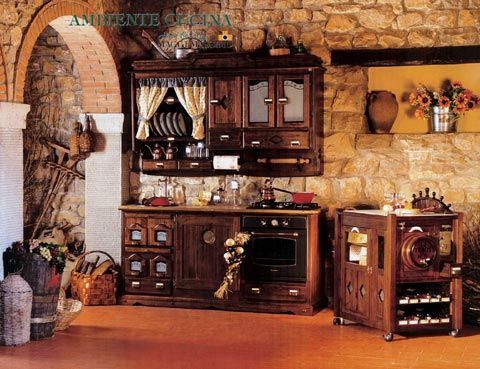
(282, 205)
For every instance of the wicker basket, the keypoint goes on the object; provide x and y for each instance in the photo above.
(67, 311)
(94, 289)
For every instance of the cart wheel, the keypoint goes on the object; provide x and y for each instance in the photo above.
(338, 321)
(454, 332)
(388, 337)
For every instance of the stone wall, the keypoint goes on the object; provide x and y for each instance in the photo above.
(359, 168)
(53, 91)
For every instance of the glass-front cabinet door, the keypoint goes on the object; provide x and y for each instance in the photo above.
(293, 100)
(259, 97)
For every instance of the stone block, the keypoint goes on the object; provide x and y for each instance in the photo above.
(260, 4)
(348, 122)
(422, 4)
(236, 4)
(338, 41)
(318, 16)
(312, 38)
(340, 23)
(421, 38)
(375, 188)
(441, 19)
(338, 146)
(372, 142)
(320, 186)
(349, 189)
(365, 40)
(333, 168)
(288, 4)
(262, 18)
(298, 15)
(408, 20)
(468, 18)
(315, 4)
(350, 98)
(253, 39)
(16, 36)
(366, 164)
(375, 18)
(393, 165)
(392, 41)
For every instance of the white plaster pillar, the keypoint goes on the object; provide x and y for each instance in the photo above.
(12, 120)
(106, 185)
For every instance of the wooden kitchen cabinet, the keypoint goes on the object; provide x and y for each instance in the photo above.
(199, 263)
(399, 273)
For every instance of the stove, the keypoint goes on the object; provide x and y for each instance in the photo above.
(282, 205)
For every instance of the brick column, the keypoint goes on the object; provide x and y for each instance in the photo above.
(12, 121)
(106, 185)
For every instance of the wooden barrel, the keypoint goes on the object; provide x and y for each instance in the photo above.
(45, 283)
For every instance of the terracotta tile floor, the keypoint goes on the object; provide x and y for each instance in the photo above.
(127, 337)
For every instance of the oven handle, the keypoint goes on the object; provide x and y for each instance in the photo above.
(294, 234)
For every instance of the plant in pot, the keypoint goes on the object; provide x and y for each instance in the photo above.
(442, 108)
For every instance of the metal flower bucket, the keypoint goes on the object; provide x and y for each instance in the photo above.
(442, 120)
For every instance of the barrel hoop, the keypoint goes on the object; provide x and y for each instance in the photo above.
(45, 319)
(46, 298)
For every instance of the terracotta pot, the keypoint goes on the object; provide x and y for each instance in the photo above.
(382, 109)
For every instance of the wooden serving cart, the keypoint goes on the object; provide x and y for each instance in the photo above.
(399, 273)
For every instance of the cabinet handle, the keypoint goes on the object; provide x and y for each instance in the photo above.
(215, 102)
(159, 286)
(255, 143)
(255, 290)
(160, 165)
(267, 100)
(135, 284)
(224, 137)
(415, 228)
(283, 100)
(194, 165)
(295, 143)
(293, 292)
(170, 100)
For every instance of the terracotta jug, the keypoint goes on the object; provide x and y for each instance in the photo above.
(382, 109)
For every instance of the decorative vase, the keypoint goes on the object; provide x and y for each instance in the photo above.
(382, 109)
(442, 120)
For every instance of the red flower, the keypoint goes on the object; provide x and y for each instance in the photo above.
(471, 104)
(424, 100)
(444, 102)
(456, 84)
(461, 99)
(459, 109)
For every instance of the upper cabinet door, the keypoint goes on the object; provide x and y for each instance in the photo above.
(225, 108)
(259, 98)
(293, 100)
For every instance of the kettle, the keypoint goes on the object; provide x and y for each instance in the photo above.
(169, 152)
(156, 151)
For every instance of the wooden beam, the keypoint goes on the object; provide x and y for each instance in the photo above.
(407, 56)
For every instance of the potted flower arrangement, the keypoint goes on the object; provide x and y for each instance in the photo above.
(444, 107)
(54, 254)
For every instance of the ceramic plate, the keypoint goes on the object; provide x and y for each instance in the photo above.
(181, 124)
(163, 124)
(175, 124)
(170, 124)
(156, 125)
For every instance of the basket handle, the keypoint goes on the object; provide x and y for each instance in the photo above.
(82, 257)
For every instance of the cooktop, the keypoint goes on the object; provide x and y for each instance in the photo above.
(282, 205)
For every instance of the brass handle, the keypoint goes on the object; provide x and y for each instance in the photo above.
(267, 100)
(215, 102)
(295, 143)
(224, 137)
(255, 290)
(293, 292)
(170, 100)
(159, 286)
(255, 143)
(283, 100)
(135, 284)
(161, 165)
(194, 165)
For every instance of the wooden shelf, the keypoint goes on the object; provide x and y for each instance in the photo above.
(406, 56)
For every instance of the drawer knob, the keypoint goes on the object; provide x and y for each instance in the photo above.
(160, 165)
(293, 292)
(159, 286)
(194, 165)
(255, 143)
(255, 290)
(224, 137)
(295, 143)
(267, 100)
(215, 102)
(135, 284)
(283, 100)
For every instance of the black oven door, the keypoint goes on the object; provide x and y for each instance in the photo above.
(276, 256)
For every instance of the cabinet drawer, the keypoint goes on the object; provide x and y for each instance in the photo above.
(141, 264)
(225, 139)
(195, 164)
(160, 231)
(277, 140)
(151, 165)
(274, 291)
(135, 232)
(148, 286)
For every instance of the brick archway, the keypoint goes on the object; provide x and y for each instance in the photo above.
(3, 78)
(91, 47)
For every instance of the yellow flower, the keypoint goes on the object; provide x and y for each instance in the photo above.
(444, 102)
(413, 98)
(424, 100)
